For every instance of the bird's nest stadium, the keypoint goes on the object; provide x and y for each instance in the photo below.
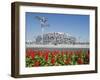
(55, 38)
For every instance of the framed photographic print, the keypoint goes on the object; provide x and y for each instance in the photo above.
(53, 39)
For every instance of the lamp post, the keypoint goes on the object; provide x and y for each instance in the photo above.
(43, 23)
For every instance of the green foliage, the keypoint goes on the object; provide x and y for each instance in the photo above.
(58, 59)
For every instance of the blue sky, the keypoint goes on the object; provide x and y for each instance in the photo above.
(76, 25)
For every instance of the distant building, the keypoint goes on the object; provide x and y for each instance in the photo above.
(55, 38)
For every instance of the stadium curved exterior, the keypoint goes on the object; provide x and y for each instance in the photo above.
(55, 38)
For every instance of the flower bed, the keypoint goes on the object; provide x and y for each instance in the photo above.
(62, 57)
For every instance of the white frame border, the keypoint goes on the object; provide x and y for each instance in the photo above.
(54, 69)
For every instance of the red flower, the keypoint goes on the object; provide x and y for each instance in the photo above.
(68, 61)
(37, 63)
(63, 52)
(57, 51)
(53, 53)
(53, 60)
(40, 53)
(70, 54)
(77, 52)
(46, 57)
(30, 53)
(80, 61)
(66, 52)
